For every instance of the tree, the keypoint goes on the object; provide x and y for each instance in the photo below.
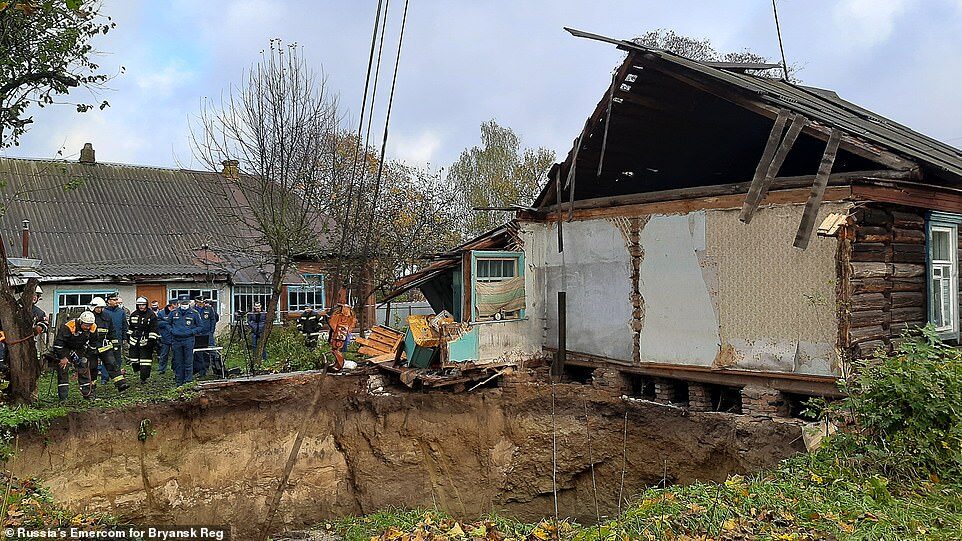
(277, 135)
(496, 174)
(702, 50)
(45, 51)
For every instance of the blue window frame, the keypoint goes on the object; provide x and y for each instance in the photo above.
(490, 269)
(942, 272)
(300, 296)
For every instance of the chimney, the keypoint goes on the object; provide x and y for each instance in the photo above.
(87, 154)
(25, 240)
(230, 168)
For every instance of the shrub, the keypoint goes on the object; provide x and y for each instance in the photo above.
(906, 408)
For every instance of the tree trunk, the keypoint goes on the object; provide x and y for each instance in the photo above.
(277, 282)
(17, 320)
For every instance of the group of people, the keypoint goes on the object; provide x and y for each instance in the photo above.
(94, 342)
(181, 334)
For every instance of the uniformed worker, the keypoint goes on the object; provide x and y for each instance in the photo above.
(71, 346)
(104, 345)
(142, 335)
(202, 340)
(310, 326)
(184, 325)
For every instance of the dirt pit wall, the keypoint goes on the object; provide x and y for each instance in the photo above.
(220, 457)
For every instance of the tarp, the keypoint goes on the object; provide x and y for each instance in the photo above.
(503, 296)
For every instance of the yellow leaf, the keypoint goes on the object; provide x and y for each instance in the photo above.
(456, 531)
(728, 525)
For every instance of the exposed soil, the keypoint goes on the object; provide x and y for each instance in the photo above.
(219, 458)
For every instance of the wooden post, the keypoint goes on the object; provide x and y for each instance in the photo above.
(807, 224)
(770, 147)
(557, 184)
(771, 162)
(559, 367)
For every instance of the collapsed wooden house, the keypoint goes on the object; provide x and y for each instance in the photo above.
(719, 238)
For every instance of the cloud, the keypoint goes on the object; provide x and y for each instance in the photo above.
(418, 149)
(163, 83)
(868, 22)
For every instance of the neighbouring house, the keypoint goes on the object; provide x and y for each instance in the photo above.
(145, 231)
(718, 238)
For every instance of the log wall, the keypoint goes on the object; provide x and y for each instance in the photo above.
(883, 277)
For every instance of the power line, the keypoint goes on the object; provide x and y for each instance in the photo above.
(781, 47)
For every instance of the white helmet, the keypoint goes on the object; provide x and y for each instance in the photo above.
(98, 302)
(141, 300)
(39, 291)
(87, 317)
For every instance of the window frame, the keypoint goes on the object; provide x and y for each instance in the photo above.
(486, 255)
(59, 307)
(942, 222)
(234, 293)
(316, 287)
(211, 294)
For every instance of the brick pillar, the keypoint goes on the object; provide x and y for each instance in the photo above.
(763, 401)
(610, 379)
(664, 390)
(699, 399)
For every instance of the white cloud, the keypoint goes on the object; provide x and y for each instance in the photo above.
(416, 149)
(162, 83)
(868, 22)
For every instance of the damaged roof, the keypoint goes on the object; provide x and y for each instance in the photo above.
(677, 123)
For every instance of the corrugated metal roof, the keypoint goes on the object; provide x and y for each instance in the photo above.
(823, 106)
(119, 220)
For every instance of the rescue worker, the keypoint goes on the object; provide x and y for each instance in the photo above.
(154, 307)
(256, 322)
(310, 326)
(202, 340)
(118, 315)
(142, 335)
(184, 323)
(103, 345)
(165, 337)
(70, 346)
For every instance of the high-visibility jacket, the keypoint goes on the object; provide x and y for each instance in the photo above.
(72, 338)
(142, 327)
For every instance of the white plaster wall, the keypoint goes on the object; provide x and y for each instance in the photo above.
(716, 292)
(596, 278)
(680, 323)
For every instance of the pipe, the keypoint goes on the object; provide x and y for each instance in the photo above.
(25, 240)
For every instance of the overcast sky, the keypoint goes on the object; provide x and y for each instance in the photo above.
(468, 61)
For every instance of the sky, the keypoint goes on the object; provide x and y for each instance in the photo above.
(464, 62)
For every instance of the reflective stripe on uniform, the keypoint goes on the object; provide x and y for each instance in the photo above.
(145, 361)
(63, 385)
(118, 378)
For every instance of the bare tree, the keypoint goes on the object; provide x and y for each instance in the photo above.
(276, 135)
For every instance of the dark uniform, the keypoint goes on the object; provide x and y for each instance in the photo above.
(203, 338)
(103, 347)
(142, 335)
(72, 343)
(310, 325)
(184, 324)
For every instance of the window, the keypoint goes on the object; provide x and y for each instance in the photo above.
(498, 289)
(246, 295)
(77, 301)
(209, 294)
(943, 273)
(300, 296)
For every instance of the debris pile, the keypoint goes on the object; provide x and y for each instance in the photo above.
(434, 351)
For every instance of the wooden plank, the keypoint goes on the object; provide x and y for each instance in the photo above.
(757, 194)
(765, 162)
(683, 206)
(604, 137)
(870, 269)
(909, 196)
(807, 224)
